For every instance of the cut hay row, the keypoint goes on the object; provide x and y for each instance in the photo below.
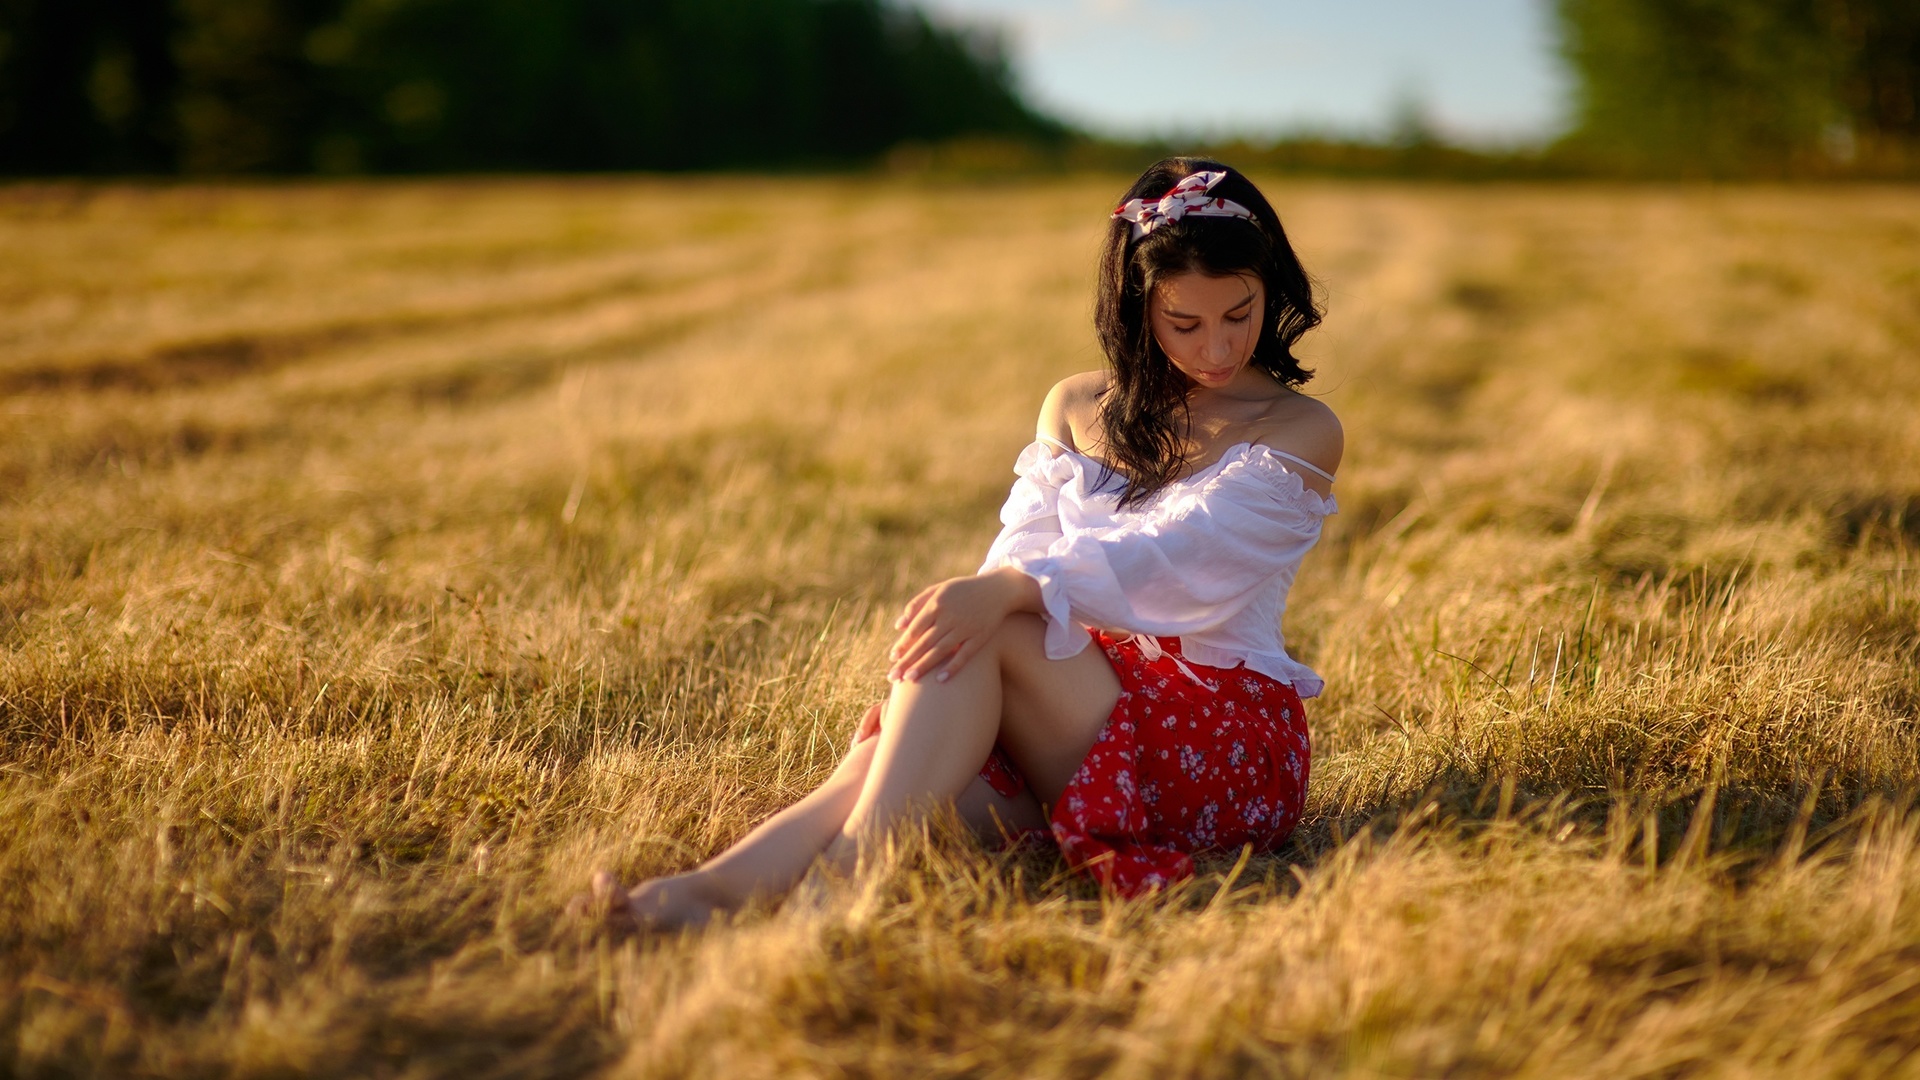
(376, 560)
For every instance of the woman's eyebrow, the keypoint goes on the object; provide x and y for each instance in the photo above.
(1244, 301)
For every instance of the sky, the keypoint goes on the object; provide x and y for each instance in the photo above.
(1482, 71)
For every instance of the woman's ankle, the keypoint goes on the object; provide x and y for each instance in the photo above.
(681, 900)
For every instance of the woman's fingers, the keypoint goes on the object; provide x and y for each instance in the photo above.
(913, 607)
(924, 628)
(917, 628)
(957, 661)
(869, 725)
(940, 622)
(935, 644)
(916, 621)
(933, 658)
(918, 657)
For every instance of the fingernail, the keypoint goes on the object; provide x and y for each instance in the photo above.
(942, 677)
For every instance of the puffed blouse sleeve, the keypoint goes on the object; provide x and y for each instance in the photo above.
(1030, 518)
(1184, 565)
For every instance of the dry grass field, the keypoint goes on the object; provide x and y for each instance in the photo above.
(377, 560)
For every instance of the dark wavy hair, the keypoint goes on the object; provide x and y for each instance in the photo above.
(1143, 412)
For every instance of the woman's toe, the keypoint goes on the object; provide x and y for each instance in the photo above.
(608, 899)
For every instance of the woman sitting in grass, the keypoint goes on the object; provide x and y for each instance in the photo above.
(1159, 516)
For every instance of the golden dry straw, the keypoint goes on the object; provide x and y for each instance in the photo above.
(377, 559)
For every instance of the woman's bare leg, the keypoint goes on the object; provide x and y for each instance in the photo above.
(997, 818)
(1047, 713)
(767, 861)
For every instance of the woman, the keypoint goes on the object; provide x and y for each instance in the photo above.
(1160, 515)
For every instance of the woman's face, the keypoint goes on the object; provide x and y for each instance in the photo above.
(1208, 325)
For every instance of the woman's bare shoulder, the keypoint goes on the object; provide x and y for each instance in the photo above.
(1068, 413)
(1305, 427)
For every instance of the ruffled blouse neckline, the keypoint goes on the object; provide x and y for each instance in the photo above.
(1269, 462)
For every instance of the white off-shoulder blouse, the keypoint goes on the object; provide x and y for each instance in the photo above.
(1208, 559)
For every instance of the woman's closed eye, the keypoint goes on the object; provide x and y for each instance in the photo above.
(1235, 319)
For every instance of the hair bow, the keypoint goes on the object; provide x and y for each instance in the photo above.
(1190, 196)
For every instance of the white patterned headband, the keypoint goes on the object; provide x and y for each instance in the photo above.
(1189, 196)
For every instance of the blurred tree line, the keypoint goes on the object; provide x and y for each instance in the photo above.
(1663, 87)
(291, 86)
(1739, 87)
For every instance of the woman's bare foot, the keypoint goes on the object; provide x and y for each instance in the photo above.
(680, 902)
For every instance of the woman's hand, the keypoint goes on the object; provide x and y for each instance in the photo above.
(869, 724)
(944, 626)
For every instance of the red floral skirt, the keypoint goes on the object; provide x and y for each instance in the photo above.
(1192, 758)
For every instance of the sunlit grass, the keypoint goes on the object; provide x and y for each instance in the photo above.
(376, 560)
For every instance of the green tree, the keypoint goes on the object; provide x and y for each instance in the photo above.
(1734, 86)
(597, 84)
(86, 85)
(235, 86)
